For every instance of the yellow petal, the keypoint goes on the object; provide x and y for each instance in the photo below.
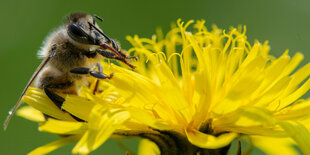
(254, 130)
(147, 147)
(146, 93)
(242, 84)
(45, 149)
(294, 62)
(144, 118)
(209, 141)
(295, 111)
(63, 127)
(295, 95)
(172, 92)
(102, 123)
(299, 133)
(297, 78)
(272, 93)
(30, 113)
(294, 89)
(274, 146)
(275, 71)
(78, 106)
(246, 117)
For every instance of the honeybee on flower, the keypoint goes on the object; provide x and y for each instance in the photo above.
(194, 91)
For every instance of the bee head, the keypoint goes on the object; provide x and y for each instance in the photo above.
(82, 28)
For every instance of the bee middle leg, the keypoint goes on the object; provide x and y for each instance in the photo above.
(99, 67)
(95, 74)
(98, 75)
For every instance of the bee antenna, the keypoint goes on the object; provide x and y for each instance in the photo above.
(92, 25)
(99, 18)
(94, 18)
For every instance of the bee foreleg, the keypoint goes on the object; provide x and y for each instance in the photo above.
(115, 46)
(111, 55)
(106, 54)
(121, 58)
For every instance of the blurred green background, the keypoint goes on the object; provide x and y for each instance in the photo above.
(25, 24)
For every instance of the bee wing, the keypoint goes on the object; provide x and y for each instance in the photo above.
(35, 74)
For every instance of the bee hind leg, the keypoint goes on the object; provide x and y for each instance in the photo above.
(115, 46)
(52, 81)
(58, 101)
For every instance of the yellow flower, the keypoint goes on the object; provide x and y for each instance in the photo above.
(193, 91)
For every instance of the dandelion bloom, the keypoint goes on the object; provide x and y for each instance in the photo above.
(194, 91)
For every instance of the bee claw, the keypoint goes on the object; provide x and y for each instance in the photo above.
(98, 75)
(132, 58)
(111, 75)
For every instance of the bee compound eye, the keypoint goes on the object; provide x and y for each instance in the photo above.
(75, 31)
(78, 34)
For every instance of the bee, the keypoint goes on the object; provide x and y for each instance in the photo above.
(69, 52)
